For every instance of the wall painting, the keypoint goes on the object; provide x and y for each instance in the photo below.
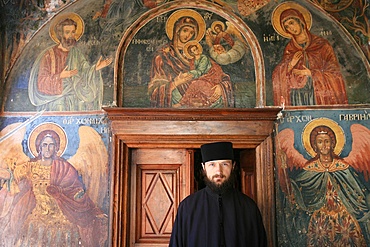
(323, 172)
(54, 181)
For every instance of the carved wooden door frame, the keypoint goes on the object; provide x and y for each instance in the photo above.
(189, 128)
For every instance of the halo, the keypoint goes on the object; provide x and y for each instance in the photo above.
(217, 23)
(47, 126)
(275, 17)
(181, 13)
(62, 17)
(192, 42)
(338, 131)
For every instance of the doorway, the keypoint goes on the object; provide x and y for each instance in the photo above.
(250, 131)
(160, 179)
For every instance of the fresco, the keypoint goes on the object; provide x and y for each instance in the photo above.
(196, 60)
(309, 71)
(322, 182)
(54, 181)
(61, 78)
(125, 41)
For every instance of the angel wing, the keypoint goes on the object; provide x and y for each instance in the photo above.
(11, 147)
(231, 29)
(91, 161)
(287, 157)
(359, 157)
(11, 154)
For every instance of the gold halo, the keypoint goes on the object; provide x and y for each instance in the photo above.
(275, 17)
(73, 16)
(338, 131)
(47, 126)
(181, 13)
(217, 23)
(192, 42)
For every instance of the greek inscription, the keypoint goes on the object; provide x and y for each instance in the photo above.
(68, 120)
(354, 117)
(298, 119)
(161, 19)
(271, 37)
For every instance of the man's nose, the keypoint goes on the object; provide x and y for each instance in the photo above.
(219, 168)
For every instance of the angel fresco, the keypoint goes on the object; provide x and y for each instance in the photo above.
(43, 200)
(309, 72)
(329, 195)
(61, 78)
(226, 45)
(169, 78)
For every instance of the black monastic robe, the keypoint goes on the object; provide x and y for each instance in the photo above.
(207, 219)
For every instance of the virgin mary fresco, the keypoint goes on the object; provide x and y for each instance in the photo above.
(170, 81)
(309, 71)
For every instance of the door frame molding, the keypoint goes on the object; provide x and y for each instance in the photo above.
(189, 128)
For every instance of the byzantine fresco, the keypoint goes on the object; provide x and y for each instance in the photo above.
(196, 60)
(322, 178)
(62, 61)
(117, 47)
(54, 181)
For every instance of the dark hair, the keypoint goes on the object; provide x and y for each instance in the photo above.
(47, 133)
(322, 129)
(190, 51)
(218, 25)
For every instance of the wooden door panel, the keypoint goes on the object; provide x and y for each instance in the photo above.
(157, 188)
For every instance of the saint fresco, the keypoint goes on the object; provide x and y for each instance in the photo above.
(47, 200)
(323, 194)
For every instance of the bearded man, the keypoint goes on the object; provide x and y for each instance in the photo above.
(61, 78)
(219, 214)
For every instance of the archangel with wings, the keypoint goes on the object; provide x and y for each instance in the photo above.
(48, 200)
(331, 191)
(226, 43)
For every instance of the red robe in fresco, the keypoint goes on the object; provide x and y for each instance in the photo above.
(328, 87)
(43, 209)
(167, 65)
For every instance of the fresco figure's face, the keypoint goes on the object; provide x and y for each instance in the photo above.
(48, 148)
(194, 50)
(186, 34)
(293, 27)
(218, 29)
(69, 36)
(323, 144)
(218, 171)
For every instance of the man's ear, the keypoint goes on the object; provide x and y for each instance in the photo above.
(234, 165)
(202, 165)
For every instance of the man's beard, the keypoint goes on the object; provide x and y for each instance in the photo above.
(68, 43)
(220, 188)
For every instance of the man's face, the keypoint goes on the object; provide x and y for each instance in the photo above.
(48, 148)
(69, 36)
(324, 144)
(218, 171)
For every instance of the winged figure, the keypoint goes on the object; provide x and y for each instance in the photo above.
(331, 190)
(48, 200)
(226, 44)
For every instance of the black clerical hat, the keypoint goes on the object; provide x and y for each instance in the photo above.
(217, 151)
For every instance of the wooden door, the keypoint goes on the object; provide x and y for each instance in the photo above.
(138, 131)
(160, 179)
